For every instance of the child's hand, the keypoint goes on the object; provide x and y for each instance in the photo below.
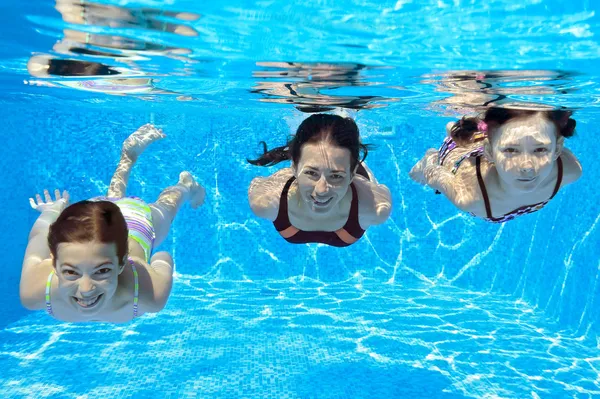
(417, 173)
(57, 205)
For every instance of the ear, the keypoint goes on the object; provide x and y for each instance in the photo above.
(560, 142)
(122, 265)
(353, 172)
(449, 127)
(487, 150)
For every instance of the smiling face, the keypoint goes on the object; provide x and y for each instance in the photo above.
(88, 275)
(524, 151)
(323, 175)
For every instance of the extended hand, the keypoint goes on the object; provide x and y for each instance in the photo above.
(57, 205)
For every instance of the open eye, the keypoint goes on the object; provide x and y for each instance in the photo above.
(541, 150)
(69, 272)
(104, 270)
(336, 176)
(509, 150)
(310, 173)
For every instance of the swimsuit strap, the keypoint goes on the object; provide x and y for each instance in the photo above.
(559, 178)
(136, 289)
(282, 221)
(488, 208)
(486, 200)
(352, 225)
(48, 289)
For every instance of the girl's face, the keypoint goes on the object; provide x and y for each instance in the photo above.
(524, 151)
(323, 174)
(88, 275)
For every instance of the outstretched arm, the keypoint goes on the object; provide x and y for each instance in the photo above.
(428, 171)
(264, 193)
(34, 269)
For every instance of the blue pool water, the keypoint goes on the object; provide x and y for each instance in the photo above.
(432, 304)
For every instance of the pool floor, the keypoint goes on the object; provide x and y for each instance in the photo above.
(304, 339)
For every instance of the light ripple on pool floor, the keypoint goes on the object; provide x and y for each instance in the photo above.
(304, 339)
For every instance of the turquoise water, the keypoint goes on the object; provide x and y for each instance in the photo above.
(432, 304)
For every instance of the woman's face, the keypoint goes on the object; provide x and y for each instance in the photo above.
(88, 275)
(524, 151)
(323, 174)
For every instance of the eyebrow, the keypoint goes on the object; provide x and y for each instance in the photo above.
(95, 267)
(333, 171)
(537, 143)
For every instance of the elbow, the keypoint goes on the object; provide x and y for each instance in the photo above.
(27, 301)
(262, 210)
(383, 213)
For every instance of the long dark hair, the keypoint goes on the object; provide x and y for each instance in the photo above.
(341, 131)
(463, 130)
(87, 221)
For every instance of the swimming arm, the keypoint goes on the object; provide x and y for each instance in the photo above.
(264, 193)
(375, 201)
(34, 270)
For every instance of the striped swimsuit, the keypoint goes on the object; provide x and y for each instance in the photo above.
(138, 217)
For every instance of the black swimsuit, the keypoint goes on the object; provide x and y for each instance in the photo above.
(347, 235)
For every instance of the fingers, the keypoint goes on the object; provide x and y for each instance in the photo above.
(57, 194)
(32, 203)
(39, 199)
(47, 196)
(66, 196)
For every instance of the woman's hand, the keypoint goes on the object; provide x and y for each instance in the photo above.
(57, 205)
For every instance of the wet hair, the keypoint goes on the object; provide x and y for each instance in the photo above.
(87, 221)
(463, 130)
(340, 131)
(60, 67)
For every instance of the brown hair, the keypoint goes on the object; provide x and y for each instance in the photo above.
(342, 132)
(463, 130)
(87, 221)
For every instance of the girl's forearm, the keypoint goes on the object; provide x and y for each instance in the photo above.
(440, 179)
(43, 222)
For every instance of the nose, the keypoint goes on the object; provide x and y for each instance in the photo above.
(527, 169)
(86, 286)
(321, 187)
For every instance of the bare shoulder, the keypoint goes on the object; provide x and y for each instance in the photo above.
(572, 169)
(374, 202)
(264, 193)
(155, 282)
(32, 287)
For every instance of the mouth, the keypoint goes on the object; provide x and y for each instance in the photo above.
(319, 202)
(527, 180)
(88, 303)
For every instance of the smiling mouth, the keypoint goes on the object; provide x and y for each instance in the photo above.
(88, 303)
(321, 203)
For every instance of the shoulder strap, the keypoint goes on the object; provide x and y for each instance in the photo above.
(48, 290)
(352, 225)
(136, 289)
(559, 178)
(282, 221)
(486, 200)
